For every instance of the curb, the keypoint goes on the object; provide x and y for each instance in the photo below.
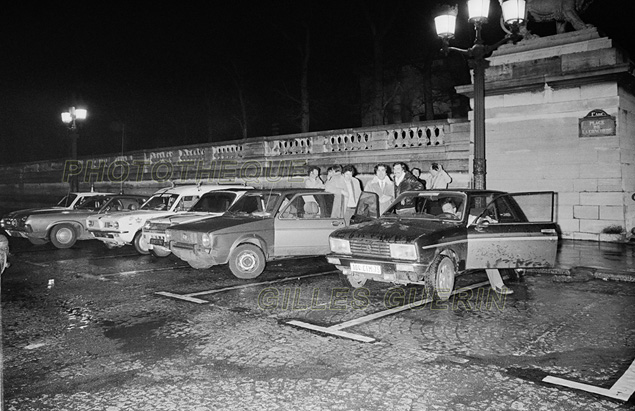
(587, 273)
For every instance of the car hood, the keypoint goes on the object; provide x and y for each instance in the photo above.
(138, 214)
(399, 231)
(31, 211)
(215, 224)
(182, 218)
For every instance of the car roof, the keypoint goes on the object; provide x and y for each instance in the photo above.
(286, 190)
(194, 189)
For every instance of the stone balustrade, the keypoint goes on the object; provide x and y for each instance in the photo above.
(255, 161)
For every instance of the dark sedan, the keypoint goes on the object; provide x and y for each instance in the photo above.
(262, 225)
(430, 237)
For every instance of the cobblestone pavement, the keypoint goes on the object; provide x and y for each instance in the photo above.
(100, 338)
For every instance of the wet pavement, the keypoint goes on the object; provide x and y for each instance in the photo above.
(99, 337)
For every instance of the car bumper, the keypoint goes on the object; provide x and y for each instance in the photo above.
(402, 272)
(156, 239)
(112, 237)
(195, 255)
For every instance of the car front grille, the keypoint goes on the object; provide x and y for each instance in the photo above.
(370, 248)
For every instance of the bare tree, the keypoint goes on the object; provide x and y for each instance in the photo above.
(380, 16)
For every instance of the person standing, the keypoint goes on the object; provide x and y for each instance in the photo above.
(337, 186)
(382, 186)
(437, 178)
(404, 181)
(314, 180)
(354, 189)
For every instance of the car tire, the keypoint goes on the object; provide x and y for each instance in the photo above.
(140, 244)
(159, 252)
(63, 236)
(247, 261)
(440, 278)
(353, 281)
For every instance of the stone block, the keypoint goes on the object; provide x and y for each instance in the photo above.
(568, 199)
(586, 212)
(602, 199)
(611, 213)
(610, 156)
(601, 171)
(564, 214)
(566, 94)
(609, 185)
(585, 185)
(569, 225)
(586, 236)
(596, 226)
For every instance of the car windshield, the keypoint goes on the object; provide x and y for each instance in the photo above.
(161, 202)
(257, 204)
(429, 205)
(214, 202)
(67, 200)
(93, 203)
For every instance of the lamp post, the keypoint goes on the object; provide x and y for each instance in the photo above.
(513, 16)
(70, 118)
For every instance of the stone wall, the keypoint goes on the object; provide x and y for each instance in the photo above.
(536, 93)
(259, 162)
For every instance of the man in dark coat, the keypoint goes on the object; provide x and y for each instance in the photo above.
(405, 181)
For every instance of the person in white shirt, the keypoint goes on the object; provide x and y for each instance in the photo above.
(354, 188)
(314, 180)
(382, 186)
(437, 178)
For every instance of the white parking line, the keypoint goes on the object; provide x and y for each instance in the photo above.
(149, 270)
(190, 296)
(336, 329)
(622, 390)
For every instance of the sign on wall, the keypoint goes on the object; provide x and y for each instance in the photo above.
(597, 124)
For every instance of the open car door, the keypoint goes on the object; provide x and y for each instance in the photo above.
(513, 231)
(367, 208)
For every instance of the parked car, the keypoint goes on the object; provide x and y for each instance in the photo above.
(430, 237)
(119, 229)
(212, 204)
(64, 227)
(262, 225)
(12, 221)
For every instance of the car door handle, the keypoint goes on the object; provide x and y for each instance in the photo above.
(548, 231)
(336, 223)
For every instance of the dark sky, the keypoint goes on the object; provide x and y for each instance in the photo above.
(169, 74)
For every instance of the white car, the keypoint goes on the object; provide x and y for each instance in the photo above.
(212, 204)
(125, 227)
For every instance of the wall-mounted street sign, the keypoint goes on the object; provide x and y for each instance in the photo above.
(597, 124)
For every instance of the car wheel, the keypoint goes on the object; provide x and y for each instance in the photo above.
(441, 277)
(353, 280)
(140, 244)
(63, 236)
(247, 261)
(37, 241)
(160, 252)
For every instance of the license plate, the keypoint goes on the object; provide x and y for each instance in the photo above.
(156, 241)
(366, 268)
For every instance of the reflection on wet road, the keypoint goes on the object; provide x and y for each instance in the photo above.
(88, 328)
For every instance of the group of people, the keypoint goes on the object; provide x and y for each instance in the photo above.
(341, 181)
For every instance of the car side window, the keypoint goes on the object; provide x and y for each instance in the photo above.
(309, 207)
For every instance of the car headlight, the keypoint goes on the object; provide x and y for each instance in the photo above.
(403, 251)
(340, 246)
(168, 235)
(206, 240)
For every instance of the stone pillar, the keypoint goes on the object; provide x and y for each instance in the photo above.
(537, 91)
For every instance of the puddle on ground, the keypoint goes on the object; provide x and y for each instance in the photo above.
(144, 337)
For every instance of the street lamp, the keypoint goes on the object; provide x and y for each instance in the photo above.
(70, 118)
(513, 17)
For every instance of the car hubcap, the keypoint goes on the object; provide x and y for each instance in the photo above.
(64, 235)
(445, 278)
(247, 262)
